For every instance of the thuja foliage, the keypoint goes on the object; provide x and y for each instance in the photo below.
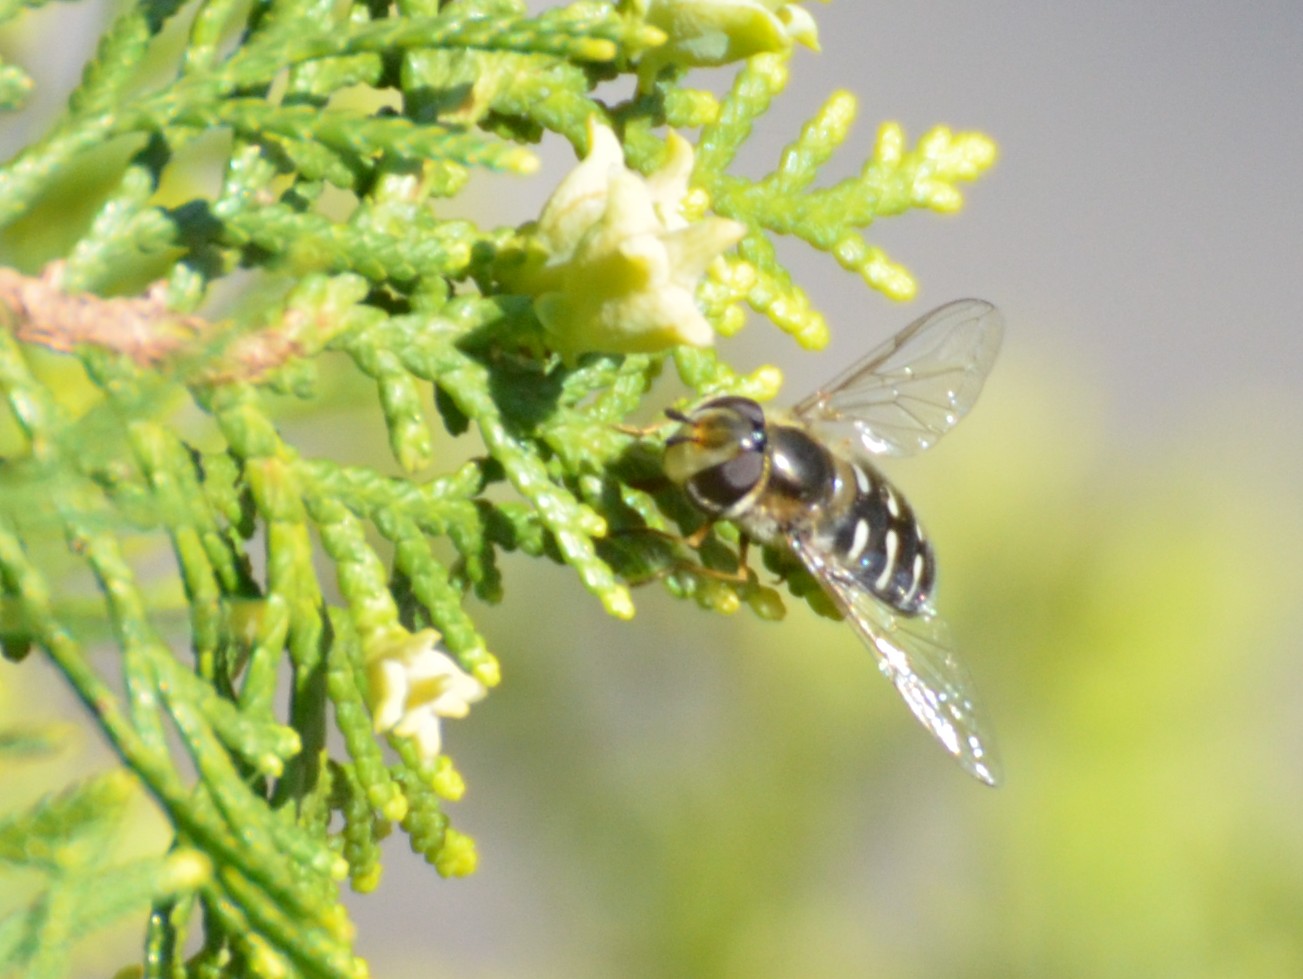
(146, 465)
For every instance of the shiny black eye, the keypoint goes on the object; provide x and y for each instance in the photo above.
(744, 407)
(733, 420)
(722, 486)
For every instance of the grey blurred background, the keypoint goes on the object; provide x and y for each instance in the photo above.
(1119, 530)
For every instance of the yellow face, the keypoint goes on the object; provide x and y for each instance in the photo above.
(718, 453)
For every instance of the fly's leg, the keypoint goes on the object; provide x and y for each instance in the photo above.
(740, 575)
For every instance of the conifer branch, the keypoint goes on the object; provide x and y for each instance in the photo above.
(149, 452)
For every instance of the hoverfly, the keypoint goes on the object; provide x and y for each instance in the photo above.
(805, 482)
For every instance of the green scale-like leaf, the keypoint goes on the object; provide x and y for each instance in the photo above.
(252, 579)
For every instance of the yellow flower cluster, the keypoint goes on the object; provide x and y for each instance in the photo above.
(622, 262)
(414, 684)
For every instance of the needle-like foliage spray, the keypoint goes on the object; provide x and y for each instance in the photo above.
(270, 634)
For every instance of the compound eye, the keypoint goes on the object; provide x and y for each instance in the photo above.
(726, 423)
(723, 486)
(747, 411)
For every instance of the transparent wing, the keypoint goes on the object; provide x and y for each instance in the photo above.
(903, 396)
(915, 654)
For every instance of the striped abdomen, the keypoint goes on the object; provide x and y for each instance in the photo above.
(878, 539)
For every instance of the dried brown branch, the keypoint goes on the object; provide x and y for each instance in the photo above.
(140, 328)
(143, 329)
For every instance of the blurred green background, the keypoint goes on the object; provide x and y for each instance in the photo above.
(1121, 556)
